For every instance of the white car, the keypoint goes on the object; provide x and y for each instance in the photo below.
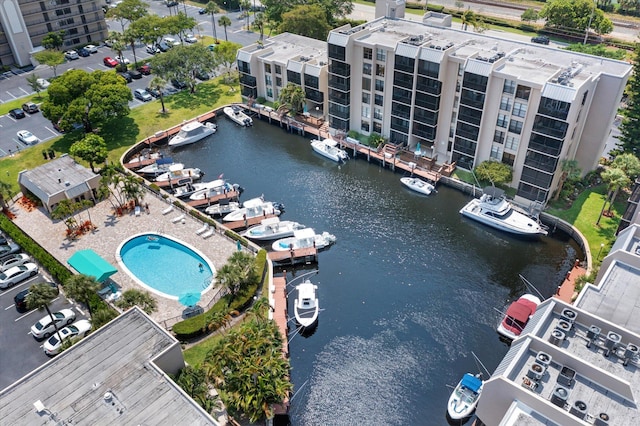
(71, 55)
(74, 331)
(45, 327)
(27, 138)
(43, 83)
(190, 38)
(15, 274)
(91, 48)
(14, 260)
(122, 60)
(143, 95)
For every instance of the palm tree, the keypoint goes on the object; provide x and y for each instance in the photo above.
(570, 170)
(293, 97)
(260, 309)
(212, 8)
(118, 45)
(39, 297)
(82, 288)
(132, 188)
(134, 297)
(228, 277)
(5, 194)
(224, 21)
(102, 316)
(64, 211)
(245, 5)
(615, 179)
(159, 83)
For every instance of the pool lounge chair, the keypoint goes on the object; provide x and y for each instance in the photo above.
(203, 229)
(177, 219)
(208, 233)
(167, 210)
(137, 211)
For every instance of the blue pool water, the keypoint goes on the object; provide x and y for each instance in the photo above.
(165, 265)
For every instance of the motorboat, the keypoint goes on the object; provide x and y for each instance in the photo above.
(254, 207)
(464, 398)
(178, 171)
(418, 185)
(517, 316)
(304, 238)
(236, 115)
(494, 210)
(159, 167)
(213, 188)
(329, 148)
(224, 207)
(192, 132)
(184, 189)
(306, 306)
(143, 160)
(272, 229)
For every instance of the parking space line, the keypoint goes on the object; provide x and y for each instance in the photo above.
(54, 133)
(79, 310)
(32, 311)
(90, 69)
(24, 91)
(10, 95)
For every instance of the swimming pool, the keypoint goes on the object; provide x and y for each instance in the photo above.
(165, 266)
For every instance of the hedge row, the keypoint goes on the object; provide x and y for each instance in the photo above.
(194, 326)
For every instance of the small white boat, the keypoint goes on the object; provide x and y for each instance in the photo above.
(235, 113)
(418, 185)
(224, 207)
(306, 305)
(464, 398)
(494, 210)
(213, 188)
(254, 207)
(304, 238)
(329, 148)
(143, 160)
(177, 171)
(184, 189)
(192, 132)
(159, 167)
(517, 316)
(271, 229)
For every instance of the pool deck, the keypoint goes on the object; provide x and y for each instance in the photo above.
(112, 231)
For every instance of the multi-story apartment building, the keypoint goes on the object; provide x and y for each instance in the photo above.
(24, 23)
(467, 97)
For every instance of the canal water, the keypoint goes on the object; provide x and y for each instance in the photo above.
(407, 293)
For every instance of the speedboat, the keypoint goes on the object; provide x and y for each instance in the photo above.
(418, 185)
(222, 208)
(177, 171)
(235, 113)
(304, 238)
(213, 188)
(159, 167)
(517, 316)
(329, 149)
(306, 305)
(254, 207)
(494, 210)
(192, 132)
(464, 398)
(143, 160)
(271, 229)
(184, 189)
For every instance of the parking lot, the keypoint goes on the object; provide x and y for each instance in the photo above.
(21, 352)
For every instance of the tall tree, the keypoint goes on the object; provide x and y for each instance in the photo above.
(82, 288)
(494, 171)
(51, 58)
(143, 299)
(40, 297)
(128, 11)
(570, 170)
(529, 15)
(92, 149)
(179, 24)
(577, 15)
(158, 83)
(306, 20)
(53, 40)
(293, 97)
(150, 29)
(259, 24)
(630, 127)
(225, 55)
(32, 80)
(183, 63)
(225, 22)
(212, 8)
(65, 211)
(615, 179)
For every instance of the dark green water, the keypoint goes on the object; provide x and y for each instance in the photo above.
(407, 292)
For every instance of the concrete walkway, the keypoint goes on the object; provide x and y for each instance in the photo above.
(112, 231)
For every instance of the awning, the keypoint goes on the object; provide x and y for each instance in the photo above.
(88, 262)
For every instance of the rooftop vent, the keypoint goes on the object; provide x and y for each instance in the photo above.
(611, 342)
(579, 409)
(568, 315)
(593, 334)
(563, 326)
(557, 337)
(543, 358)
(559, 396)
(536, 371)
(566, 376)
(67, 183)
(630, 352)
(601, 419)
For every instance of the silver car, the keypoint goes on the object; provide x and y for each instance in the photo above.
(16, 274)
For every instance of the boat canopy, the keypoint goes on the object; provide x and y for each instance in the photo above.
(493, 191)
(176, 167)
(253, 202)
(304, 233)
(165, 160)
(471, 382)
(520, 311)
(270, 221)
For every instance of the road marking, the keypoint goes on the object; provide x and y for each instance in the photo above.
(54, 133)
(80, 310)
(24, 91)
(90, 69)
(11, 95)
(32, 311)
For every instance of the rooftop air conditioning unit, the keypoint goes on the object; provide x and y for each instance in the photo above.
(630, 352)
(611, 342)
(566, 376)
(559, 396)
(579, 409)
(601, 419)
(557, 337)
(593, 333)
(536, 371)
(563, 326)
(568, 315)
(543, 359)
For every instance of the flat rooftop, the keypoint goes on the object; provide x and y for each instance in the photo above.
(111, 377)
(58, 175)
(287, 46)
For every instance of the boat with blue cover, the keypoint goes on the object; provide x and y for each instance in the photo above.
(464, 398)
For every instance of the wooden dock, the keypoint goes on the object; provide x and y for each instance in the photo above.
(281, 316)
(230, 196)
(240, 224)
(303, 255)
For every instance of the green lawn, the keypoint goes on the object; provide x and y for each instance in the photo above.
(195, 355)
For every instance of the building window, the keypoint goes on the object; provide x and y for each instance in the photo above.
(364, 126)
(366, 98)
(512, 143)
(498, 136)
(379, 100)
(267, 68)
(379, 85)
(509, 87)
(505, 103)
(366, 111)
(379, 70)
(269, 92)
(367, 53)
(496, 152)
(366, 69)
(377, 113)
(523, 92)
(502, 120)
(377, 127)
(279, 81)
(267, 80)
(515, 126)
(366, 83)
(519, 109)
(381, 55)
(508, 159)
(278, 69)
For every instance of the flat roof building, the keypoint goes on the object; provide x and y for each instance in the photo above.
(116, 375)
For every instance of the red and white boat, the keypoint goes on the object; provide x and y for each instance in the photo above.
(517, 316)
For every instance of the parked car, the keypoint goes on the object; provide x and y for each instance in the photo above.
(190, 38)
(164, 46)
(76, 331)
(45, 327)
(20, 299)
(43, 83)
(171, 3)
(201, 74)
(91, 48)
(540, 39)
(16, 274)
(110, 62)
(135, 74)
(30, 107)
(126, 76)
(143, 95)
(7, 249)
(144, 70)
(17, 113)
(14, 260)
(71, 55)
(27, 138)
(84, 52)
(171, 41)
(122, 60)
(178, 84)
(153, 49)
(202, 11)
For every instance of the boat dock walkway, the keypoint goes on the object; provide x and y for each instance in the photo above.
(280, 314)
(245, 223)
(567, 290)
(230, 196)
(302, 255)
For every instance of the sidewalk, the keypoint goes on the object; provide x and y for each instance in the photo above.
(566, 291)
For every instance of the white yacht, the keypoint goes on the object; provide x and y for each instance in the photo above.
(159, 167)
(192, 132)
(329, 148)
(254, 207)
(177, 171)
(236, 114)
(213, 188)
(304, 238)
(494, 210)
(306, 305)
(272, 229)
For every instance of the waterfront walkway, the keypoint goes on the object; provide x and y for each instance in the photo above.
(567, 290)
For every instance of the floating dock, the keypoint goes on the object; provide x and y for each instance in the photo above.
(291, 257)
